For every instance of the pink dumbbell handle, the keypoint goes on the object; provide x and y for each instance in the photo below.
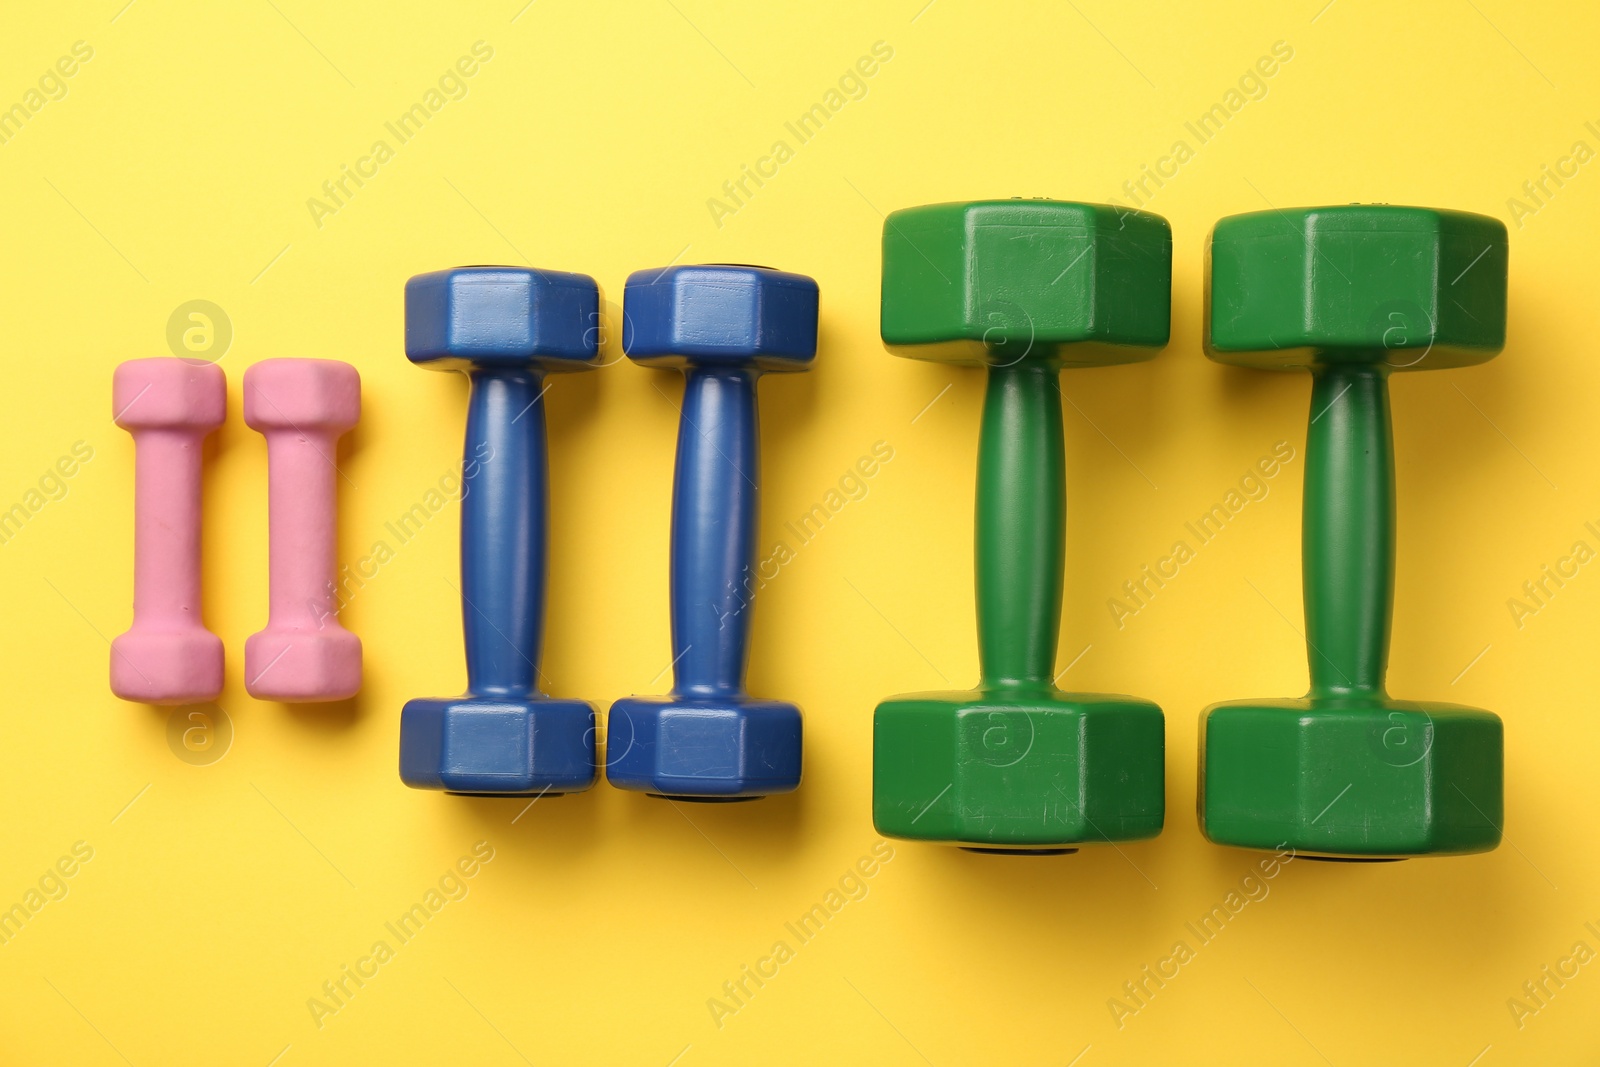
(166, 531)
(302, 528)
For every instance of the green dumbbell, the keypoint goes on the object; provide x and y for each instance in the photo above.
(1023, 288)
(1352, 293)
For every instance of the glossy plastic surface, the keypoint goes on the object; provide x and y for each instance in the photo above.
(990, 281)
(502, 318)
(1017, 764)
(169, 405)
(302, 407)
(1348, 771)
(504, 736)
(721, 315)
(723, 326)
(1407, 287)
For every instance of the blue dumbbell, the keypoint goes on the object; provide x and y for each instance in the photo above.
(507, 327)
(723, 326)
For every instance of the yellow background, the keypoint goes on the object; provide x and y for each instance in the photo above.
(220, 897)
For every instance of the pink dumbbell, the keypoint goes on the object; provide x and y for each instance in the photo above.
(302, 407)
(169, 405)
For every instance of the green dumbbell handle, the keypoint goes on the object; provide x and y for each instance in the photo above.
(1021, 527)
(1348, 531)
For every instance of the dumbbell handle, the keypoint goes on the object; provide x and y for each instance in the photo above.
(1021, 526)
(166, 528)
(715, 501)
(1348, 530)
(301, 529)
(504, 510)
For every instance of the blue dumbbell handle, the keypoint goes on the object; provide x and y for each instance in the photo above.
(504, 538)
(715, 500)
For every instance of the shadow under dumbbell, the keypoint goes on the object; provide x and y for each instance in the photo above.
(334, 716)
(547, 827)
(1074, 900)
(351, 443)
(215, 566)
(572, 432)
(758, 835)
(580, 399)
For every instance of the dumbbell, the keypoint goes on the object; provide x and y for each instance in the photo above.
(169, 405)
(302, 407)
(1352, 294)
(1024, 288)
(507, 328)
(723, 326)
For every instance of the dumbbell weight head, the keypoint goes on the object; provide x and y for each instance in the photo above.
(1404, 288)
(996, 282)
(1016, 764)
(504, 737)
(302, 394)
(161, 393)
(1353, 293)
(503, 318)
(720, 315)
(709, 739)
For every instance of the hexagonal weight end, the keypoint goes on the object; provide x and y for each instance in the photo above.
(1360, 778)
(302, 394)
(303, 666)
(167, 666)
(999, 281)
(720, 314)
(507, 746)
(725, 748)
(505, 318)
(1018, 770)
(1410, 288)
(166, 393)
